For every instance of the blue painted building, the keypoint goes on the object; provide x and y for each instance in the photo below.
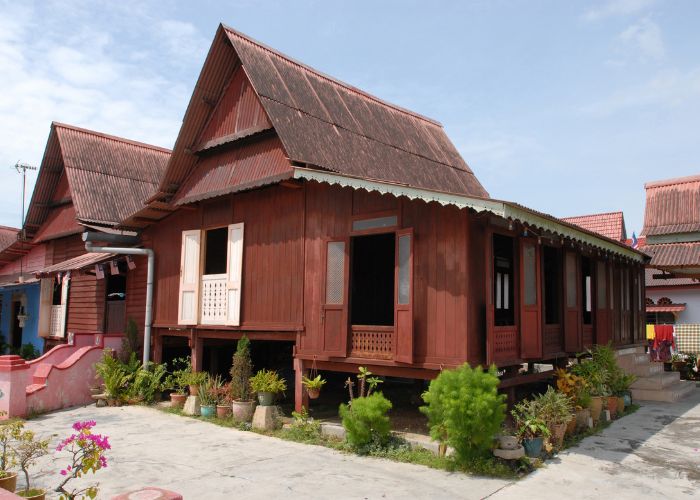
(21, 299)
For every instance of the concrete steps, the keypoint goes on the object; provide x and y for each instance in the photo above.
(653, 383)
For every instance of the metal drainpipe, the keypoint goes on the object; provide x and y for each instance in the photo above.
(149, 287)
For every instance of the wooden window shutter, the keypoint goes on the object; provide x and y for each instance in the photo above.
(234, 273)
(189, 278)
(334, 310)
(45, 302)
(65, 285)
(403, 302)
(530, 300)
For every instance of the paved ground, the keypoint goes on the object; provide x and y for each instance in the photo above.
(653, 453)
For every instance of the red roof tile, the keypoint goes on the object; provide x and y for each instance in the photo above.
(8, 235)
(610, 225)
(672, 206)
(673, 255)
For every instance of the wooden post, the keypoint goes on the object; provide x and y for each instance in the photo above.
(301, 397)
(157, 347)
(197, 346)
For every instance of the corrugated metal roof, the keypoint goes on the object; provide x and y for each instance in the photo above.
(674, 255)
(672, 206)
(8, 236)
(610, 224)
(246, 167)
(321, 122)
(669, 280)
(110, 177)
(76, 263)
(325, 123)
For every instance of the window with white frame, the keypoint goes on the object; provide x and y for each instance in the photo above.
(210, 277)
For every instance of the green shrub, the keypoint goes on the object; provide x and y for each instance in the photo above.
(465, 410)
(267, 381)
(365, 419)
(148, 382)
(303, 428)
(241, 370)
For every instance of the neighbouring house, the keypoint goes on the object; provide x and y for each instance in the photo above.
(87, 180)
(336, 230)
(671, 235)
(19, 295)
(609, 224)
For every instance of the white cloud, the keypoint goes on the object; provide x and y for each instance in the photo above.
(643, 39)
(668, 89)
(103, 70)
(614, 8)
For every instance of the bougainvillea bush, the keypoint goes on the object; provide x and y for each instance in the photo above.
(87, 454)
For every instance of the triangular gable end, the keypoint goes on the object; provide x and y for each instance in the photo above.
(237, 114)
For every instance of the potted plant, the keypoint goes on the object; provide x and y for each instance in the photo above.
(313, 386)
(555, 409)
(573, 387)
(531, 429)
(267, 384)
(222, 396)
(27, 451)
(679, 362)
(595, 377)
(620, 383)
(178, 380)
(193, 380)
(9, 432)
(582, 408)
(115, 378)
(207, 397)
(241, 370)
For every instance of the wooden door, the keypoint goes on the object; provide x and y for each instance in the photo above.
(530, 300)
(403, 297)
(602, 315)
(334, 310)
(572, 303)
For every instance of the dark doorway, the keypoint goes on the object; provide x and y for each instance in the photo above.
(372, 280)
(16, 336)
(552, 285)
(216, 250)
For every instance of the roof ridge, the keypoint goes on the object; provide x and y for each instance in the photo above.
(9, 228)
(330, 78)
(670, 182)
(595, 215)
(112, 137)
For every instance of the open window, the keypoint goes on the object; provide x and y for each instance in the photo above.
(587, 290)
(552, 267)
(53, 304)
(210, 284)
(503, 272)
(372, 279)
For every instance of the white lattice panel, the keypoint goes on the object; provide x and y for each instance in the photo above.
(214, 301)
(56, 322)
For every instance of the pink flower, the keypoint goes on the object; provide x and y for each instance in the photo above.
(63, 473)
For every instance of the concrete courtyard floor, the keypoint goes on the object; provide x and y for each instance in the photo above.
(653, 453)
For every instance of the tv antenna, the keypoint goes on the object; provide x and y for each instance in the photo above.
(22, 168)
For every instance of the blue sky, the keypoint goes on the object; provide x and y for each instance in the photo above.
(566, 107)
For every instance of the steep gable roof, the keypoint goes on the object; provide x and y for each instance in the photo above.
(109, 178)
(8, 235)
(322, 123)
(610, 224)
(672, 206)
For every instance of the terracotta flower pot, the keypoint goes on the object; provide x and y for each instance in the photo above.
(571, 426)
(620, 405)
(194, 390)
(223, 411)
(313, 393)
(177, 400)
(582, 417)
(9, 482)
(37, 494)
(596, 408)
(243, 410)
(612, 406)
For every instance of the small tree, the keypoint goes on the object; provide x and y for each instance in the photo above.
(366, 420)
(27, 451)
(9, 432)
(241, 371)
(86, 450)
(465, 410)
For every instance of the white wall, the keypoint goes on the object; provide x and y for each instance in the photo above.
(689, 297)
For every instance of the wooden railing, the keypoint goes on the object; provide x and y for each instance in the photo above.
(214, 300)
(372, 342)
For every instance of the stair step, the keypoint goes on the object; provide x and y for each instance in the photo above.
(646, 370)
(660, 380)
(630, 360)
(683, 389)
(630, 350)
